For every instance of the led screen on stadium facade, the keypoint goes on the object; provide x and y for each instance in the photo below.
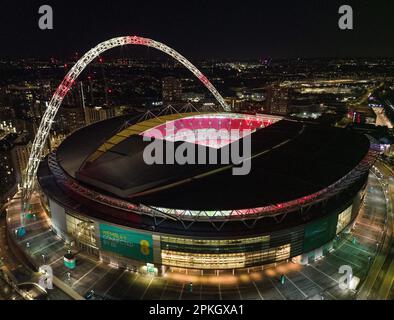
(320, 232)
(128, 243)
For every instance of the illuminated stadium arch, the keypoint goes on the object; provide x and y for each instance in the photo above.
(68, 81)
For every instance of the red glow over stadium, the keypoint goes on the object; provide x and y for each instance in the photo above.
(215, 130)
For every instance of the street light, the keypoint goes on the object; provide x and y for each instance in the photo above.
(69, 277)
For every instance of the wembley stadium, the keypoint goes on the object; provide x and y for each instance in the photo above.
(305, 186)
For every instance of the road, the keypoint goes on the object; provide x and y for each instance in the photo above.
(363, 99)
(380, 284)
(15, 266)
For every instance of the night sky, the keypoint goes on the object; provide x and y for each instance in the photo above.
(202, 29)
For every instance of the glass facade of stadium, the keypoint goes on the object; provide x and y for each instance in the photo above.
(143, 250)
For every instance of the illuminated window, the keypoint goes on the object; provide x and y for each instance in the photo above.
(224, 261)
(82, 230)
(221, 242)
(344, 219)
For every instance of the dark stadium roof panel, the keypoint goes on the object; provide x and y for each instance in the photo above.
(301, 159)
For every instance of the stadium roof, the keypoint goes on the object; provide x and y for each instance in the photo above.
(292, 160)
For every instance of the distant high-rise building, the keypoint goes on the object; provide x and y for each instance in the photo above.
(95, 114)
(172, 91)
(37, 110)
(20, 98)
(7, 172)
(74, 97)
(277, 100)
(20, 155)
(69, 119)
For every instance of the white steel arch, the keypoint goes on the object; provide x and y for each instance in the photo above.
(69, 79)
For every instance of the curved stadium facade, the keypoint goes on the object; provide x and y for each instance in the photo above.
(304, 188)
